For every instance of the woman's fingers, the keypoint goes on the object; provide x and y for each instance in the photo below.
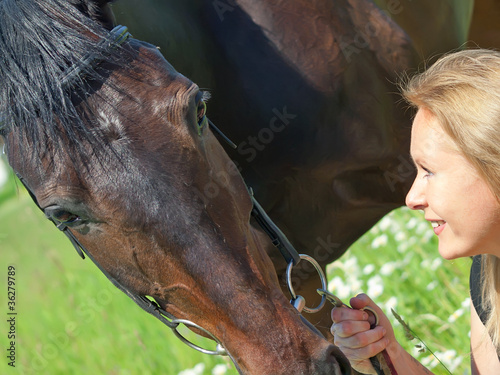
(348, 328)
(353, 335)
(340, 314)
(360, 357)
(360, 339)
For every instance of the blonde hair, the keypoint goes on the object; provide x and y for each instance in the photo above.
(462, 89)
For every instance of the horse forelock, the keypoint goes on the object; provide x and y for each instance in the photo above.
(39, 41)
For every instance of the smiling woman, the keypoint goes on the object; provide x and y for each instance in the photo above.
(455, 145)
(451, 207)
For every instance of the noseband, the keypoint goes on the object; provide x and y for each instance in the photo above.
(115, 39)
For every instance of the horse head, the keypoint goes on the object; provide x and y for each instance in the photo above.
(114, 146)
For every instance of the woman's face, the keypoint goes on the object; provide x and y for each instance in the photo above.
(455, 199)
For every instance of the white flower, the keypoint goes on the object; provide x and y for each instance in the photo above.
(422, 227)
(375, 286)
(436, 263)
(453, 317)
(400, 236)
(402, 247)
(388, 268)
(432, 285)
(379, 241)
(391, 304)
(375, 230)
(339, 288)
(369, 268)
(351, 266)
(412, 223)
(466, 303)
(196, 370)
(219, 369)
(425, 264)
(348, 265)
(450, 359)
(3, 173)
(385, 223)
(428, 235)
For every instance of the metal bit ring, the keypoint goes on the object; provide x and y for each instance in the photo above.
(318, 269)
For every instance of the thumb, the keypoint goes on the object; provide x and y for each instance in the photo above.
(362, 301)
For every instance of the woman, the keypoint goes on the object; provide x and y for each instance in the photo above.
(455, 146)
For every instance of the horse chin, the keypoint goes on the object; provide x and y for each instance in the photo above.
(305, 352)
(327, 360)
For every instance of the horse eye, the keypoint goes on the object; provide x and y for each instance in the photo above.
(202, 116)
(61, 216)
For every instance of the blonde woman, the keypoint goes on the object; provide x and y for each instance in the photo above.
(455, 146)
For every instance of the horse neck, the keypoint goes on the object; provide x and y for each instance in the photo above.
(319, 37)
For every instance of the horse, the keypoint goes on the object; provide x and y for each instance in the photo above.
(308, 90)
(114, 146)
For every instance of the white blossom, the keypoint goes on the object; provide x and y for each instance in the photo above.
(196, 370)
(3, 174)
(375, 286)
(368, 269)
(380, 241)
(220, 369)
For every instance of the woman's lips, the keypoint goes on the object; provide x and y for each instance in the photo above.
(438, 226)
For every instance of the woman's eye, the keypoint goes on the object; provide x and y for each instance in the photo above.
(428, 173)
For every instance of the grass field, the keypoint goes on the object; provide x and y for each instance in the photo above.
(71, 320)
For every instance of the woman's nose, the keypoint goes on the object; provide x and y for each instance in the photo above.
(415, 199)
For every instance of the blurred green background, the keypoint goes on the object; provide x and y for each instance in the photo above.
(71, 320)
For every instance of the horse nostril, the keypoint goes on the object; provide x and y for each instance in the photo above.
(334, 355)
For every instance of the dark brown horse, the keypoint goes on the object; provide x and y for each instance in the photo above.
(114, 146)
(307, 90)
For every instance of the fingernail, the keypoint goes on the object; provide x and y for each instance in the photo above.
(365, 316)
(384, 331)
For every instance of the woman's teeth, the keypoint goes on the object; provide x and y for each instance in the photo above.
(436, 224)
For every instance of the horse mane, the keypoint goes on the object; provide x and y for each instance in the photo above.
(39, 41)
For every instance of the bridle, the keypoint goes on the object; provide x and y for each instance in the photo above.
(115, 39)
(118, 36)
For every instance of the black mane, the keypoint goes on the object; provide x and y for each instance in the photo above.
(40, 40)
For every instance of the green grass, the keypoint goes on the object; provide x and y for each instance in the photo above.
(71, 320)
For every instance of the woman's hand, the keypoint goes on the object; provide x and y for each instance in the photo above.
(352, 333)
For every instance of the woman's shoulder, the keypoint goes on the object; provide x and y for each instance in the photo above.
(478, 321)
